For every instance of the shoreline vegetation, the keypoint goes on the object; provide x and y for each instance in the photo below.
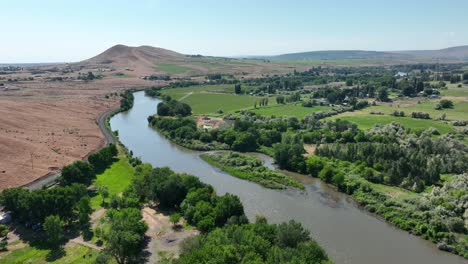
(124, 187)
(250, 168)
(415, 198)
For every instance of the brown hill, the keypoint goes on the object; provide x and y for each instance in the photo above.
(142, 60)
(147, 60)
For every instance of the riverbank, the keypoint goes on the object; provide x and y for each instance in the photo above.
(347, 232)
(347, 177)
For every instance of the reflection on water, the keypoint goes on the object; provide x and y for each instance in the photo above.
(348, 234)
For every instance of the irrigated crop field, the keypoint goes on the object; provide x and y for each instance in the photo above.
(296, 110)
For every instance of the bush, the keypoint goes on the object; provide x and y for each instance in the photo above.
(443, 104)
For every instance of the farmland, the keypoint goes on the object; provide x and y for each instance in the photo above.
(296, 110)
(209, 99)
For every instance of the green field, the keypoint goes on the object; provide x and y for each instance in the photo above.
(211, 102)
(208, 99)
(173, 68)
(289, 110)
(368, 121)
(117, 177)
(73, 255)
(455, 91)
(177, 93)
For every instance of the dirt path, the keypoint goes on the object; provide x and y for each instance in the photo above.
(163, 237)
(79, 240)
(185, 96)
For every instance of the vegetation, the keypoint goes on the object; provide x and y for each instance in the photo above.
(259, 242)
(127, 100)
(250, 168)
(72, 254)
(173, 108)
(112, 181)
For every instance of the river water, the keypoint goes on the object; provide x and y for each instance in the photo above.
(347, 233)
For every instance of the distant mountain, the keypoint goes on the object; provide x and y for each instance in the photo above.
(340, 55)
(450, 54)
(453, 53)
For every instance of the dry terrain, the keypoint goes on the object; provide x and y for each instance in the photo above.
(45, 125)
(48, 113)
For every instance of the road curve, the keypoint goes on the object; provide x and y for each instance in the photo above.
(102, 125)
(49, 179)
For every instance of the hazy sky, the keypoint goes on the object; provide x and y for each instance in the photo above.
(69, 30)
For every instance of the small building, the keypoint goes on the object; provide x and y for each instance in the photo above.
(401, 74)
(207, 127)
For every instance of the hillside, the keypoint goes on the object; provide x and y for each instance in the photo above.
(340, 55)
(453, 54)
(147, 60)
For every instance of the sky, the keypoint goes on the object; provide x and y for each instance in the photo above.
(69, 30)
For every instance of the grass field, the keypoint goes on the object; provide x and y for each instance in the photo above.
(289, 110)
(74, 254)
(212, 102)
(368, 121)
(117, 177)
(177, 93)
(457, 113)
(173, 68)
(454, 91)
(208, 99)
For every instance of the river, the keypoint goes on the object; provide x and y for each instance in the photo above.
(347, 233)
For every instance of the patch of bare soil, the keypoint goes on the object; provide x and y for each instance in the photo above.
(209, 122)
(45, 125)
(164, 239)
(310, 149)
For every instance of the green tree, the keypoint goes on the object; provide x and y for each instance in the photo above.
(125, 235)
(174, 218)
(53, 227)
(238, 88)
(84, 210)
(382, 94)
(3, 237)
(291, 234)
(79, 171)
(104, 192)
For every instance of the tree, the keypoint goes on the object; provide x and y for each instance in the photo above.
(245, 142)
(465, 76)
(444, 103)
(84, 210)
(3, 237)
(125, 235)
(79, 171)
(174, 218)
(382, 94)
(327, 173)
(291, 234)
(104, 192)
(238, 88)
(53, 227)
(280, 99)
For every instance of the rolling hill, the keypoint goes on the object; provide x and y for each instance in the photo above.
(147, 60)
(453, 54)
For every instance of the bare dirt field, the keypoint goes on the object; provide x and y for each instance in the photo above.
(164, 239)
(45, 125)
